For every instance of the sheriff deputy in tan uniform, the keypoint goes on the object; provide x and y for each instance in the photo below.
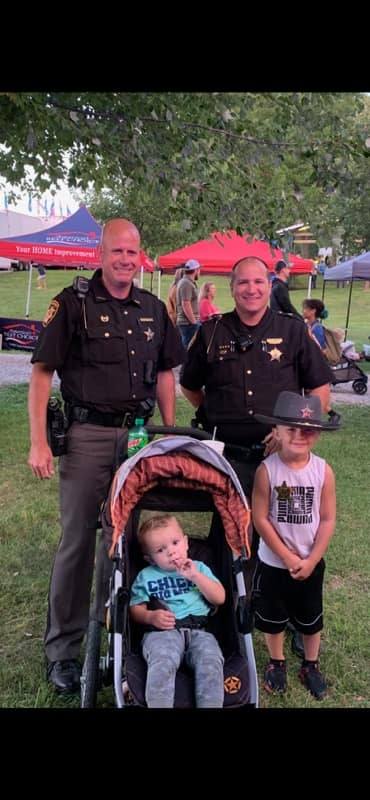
(114, 348)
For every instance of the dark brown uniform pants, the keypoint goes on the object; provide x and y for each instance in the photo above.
(85, 475)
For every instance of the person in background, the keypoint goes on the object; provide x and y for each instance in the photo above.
(321, 266)
(171, 299)
(293, 509)
(187, 306)
(177, 630)
(41, 278)
(314, 273)
(114, 349)
(347, 347)
(280, 300)
(207, 309)
(313, 312)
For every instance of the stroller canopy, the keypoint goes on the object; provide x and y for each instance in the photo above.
(182, 462)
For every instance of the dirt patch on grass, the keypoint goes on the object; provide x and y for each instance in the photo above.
(336, 582)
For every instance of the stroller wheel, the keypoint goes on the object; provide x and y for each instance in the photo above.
(359, 386)
(90, 678)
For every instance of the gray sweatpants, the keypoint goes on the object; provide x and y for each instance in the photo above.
(85, 474)
(164, 651)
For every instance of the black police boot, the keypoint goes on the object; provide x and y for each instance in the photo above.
(64, 675)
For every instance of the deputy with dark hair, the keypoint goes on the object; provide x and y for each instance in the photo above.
(238, 363)
(114, 348)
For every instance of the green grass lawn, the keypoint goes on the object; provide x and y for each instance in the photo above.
(13, 295)
(30, 533)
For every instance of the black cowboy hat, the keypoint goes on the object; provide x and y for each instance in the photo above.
(293, 409)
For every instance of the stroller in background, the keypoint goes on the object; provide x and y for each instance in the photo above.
(347, 370)
(344, 368)
(179, 473)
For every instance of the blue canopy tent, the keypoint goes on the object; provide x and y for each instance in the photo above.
(72, 243)
(354, 269)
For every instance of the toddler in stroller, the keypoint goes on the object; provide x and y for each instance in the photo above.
(176, 630)
(176, 474)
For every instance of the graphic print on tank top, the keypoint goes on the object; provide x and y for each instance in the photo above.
(294, 503)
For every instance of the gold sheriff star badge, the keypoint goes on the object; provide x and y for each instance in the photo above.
(283, 492)
(275, 354)
(232, 684)
(149, 335)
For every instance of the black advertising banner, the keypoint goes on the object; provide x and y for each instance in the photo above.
(19, 334)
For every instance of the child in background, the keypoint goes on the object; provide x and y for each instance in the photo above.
(347, 347)
(186, 590)
(293, 510)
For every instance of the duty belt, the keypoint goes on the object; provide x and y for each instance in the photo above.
(94, 417)
(254, 452)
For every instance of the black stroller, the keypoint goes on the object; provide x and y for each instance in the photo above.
(180, 474)
(347, 370)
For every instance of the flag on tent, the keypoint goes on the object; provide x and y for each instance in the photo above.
(30, 202)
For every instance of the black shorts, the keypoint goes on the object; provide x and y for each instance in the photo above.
(278, 598)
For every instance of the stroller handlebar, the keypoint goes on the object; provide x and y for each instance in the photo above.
(173, 430)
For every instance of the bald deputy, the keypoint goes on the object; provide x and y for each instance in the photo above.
(114, 349)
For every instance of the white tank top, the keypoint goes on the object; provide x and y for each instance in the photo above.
(294, 505)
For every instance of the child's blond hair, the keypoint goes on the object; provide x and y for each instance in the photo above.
(152, 524)
(339, 334)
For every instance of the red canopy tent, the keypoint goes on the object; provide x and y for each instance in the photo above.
(218, 254)
(146, 262)
(72, 243)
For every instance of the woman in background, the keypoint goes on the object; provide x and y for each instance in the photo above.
(207, 309)
(313, 312)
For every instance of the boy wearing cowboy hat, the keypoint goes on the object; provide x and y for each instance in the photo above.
(293, 508)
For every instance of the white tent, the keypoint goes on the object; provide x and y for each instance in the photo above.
(12, 223)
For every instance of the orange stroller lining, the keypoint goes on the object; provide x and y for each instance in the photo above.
(182, 470)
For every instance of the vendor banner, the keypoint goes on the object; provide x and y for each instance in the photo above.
(19, 334)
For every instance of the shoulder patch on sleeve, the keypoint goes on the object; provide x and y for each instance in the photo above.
(51, 313)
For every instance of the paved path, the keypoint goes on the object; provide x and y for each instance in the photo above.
(16, 368)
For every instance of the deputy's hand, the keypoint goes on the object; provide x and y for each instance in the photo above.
(41, 461)
(271, 443)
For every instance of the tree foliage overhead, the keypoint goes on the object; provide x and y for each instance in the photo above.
(185, 164)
